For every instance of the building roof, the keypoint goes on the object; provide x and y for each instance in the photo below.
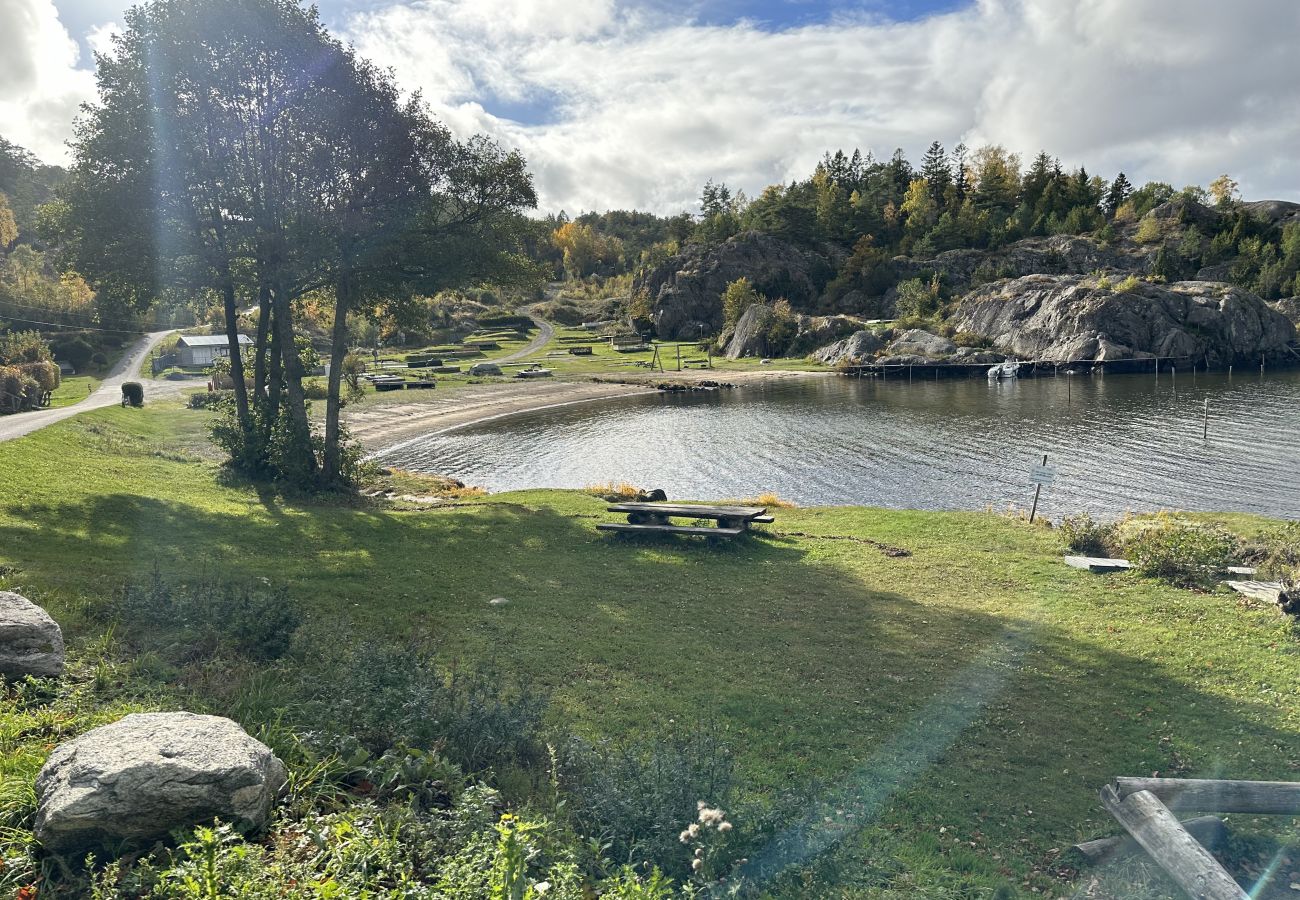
(211, 340)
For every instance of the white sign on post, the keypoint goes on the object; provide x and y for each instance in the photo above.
(1042, 475)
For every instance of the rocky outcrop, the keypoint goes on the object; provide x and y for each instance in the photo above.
(1057, 255)
(1069, 318)
(750, 336)
(1274, 212)
(1184, 211)
(686, 290)
(139, 778)
(858, 348)
(761, 331)
(1290, 307)
(31, 643)
(917, 342)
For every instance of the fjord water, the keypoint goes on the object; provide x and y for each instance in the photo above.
(1118, 442)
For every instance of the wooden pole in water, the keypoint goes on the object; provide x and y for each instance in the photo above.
(1205, 430)
(1038, 490)
(1069, 390)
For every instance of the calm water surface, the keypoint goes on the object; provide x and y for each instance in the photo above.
(1119, 442)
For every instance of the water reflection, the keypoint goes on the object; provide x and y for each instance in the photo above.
(1119, 443)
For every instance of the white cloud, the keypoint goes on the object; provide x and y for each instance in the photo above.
(40, 84)
(640, 111)
(100, 38)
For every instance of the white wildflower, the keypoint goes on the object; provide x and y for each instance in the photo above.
(711, 816)
(697, 865)
(542, 887)
(684, 836)
(724, 827)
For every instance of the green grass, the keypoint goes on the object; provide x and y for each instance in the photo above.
(73, 389)
(957, 709)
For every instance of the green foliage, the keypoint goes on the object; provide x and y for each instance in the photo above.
(19, 347)
(1129, 285)
(1148, 231)
(1083, 534)
(972, 340)
(1180, 551)
(209, 399)
(918, 298)
(207, 618)
(637, 797)
(738, 297)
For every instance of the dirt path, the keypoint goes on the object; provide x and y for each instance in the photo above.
(545, 331)
(109, 393)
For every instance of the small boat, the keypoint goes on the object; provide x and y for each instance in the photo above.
(534, 372)
(1004, 370)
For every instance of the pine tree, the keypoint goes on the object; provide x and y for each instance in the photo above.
(937, 172)
(1120, 190)
(961, 180)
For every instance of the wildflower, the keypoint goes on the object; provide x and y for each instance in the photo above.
(684, 836)
(724, 827)
(542, 887)
(697, 865)
(711, 816)
(699, 851)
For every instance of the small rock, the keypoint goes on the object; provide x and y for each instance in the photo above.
(498, 601)
(139, 778)
(31, 643)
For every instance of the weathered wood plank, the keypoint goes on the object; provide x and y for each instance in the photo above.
(1097, 564)
(671, 529)
(686, 509)
(1268, 798)
(1267, 591)
(1167, 842)
(1210, 831)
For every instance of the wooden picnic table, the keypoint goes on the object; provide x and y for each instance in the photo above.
(643, 518)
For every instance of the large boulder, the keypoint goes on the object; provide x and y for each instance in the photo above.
(1273, 212)
(139, 778)
(686, 290)
(749, 337)
(1070, 318)
(921, 343)
(1289, 307)
(31, 643)
(858, 348)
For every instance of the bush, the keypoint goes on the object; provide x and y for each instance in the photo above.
(971, 339)
(637, 798)
(315, 390)
(1182, 552)
(1083, 535)
(1148, 231)
(184, 623)
(44, 373)
(133, 393)
(1128, 285)
(76, 351)
(209, 399)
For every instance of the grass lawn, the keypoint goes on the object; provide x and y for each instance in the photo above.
(73, 389)
(951, 714)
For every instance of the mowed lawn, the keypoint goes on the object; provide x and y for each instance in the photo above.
(958, 706)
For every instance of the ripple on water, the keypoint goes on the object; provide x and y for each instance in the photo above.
(1119, 443)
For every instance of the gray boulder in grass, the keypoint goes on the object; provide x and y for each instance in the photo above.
(136, 780)
(31, 643)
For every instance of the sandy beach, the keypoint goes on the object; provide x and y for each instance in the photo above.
(382, 426)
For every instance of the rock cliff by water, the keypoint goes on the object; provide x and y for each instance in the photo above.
(1069, 318)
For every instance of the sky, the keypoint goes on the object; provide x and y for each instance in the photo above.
(636, 103)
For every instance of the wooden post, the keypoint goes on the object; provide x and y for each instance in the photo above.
(1210, 831)
(679, 357)
(1265, 798)
(1038, 490)
(709, 349)
(1205, 430)
(1167, 842)
(1069, 390)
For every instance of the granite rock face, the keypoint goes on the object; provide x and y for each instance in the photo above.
(1070, 318)
(149, 773)
(31, 643)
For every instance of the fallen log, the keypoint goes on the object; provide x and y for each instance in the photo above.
(1165, 840)
(1210, 831)
(1268, 798)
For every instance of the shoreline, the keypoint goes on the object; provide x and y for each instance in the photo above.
(382, 429)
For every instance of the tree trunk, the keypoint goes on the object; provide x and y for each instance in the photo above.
(303, 459)
(338, 350)
(236, 355)
(259, 342)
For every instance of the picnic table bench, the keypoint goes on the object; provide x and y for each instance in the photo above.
(655, 518)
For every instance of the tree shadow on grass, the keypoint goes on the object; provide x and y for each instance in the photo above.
(995, 728)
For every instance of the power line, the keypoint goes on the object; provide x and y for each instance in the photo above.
(78, 327)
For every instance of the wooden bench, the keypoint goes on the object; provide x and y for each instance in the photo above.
(654, 518)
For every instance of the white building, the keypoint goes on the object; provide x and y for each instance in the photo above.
(200, 350)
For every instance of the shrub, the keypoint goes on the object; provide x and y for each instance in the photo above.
(1148, 231)
(18, 390)
(387, 696)
(133, 393)
(184, 622)
(1128, 285)
(971, 339)
(738, 297)
(209, 399)
(1104, 283)
(43, 372)
(637, 798)
(1084, 535)
(315, 390)
(99, 360)
(1182, 552)
(23, 347)
(76, 351)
